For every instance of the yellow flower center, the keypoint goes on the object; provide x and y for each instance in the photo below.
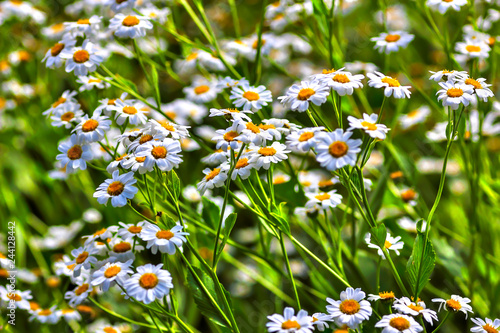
(75, 152)
(391, 82)
(192, 56)
(392, 38)
(252, 127)
(148, 280)
(145, 138)
(44, 312)
(130, 21)
(129, 110)
(323, 196)
(251, 96)
(453, 304)
(386, 295)
(290, 324)
(415, 307)
(116, 188)
(338, 149)
(60, 101)
(387, 244)
(201, 89)
(408, 195)
(99, 232)
(267, 151)
(490, 329)
(279, 180)
(341, 78)
(90, 125)
(83, 21)
(454, 92)
(369, 126)
(306, 136)
(81, 289)
(473, 48)
(328, 71)
(134, 229)
(473, 83)
(122, 247)
(56, 49)
(112, 271)
(81, 56)
(159, 152)
(305, 94)
(242, 162)
(67, 116)
(110, 329)
(349, 307)
(230, 136)
(14, 297)
(212, 174)
(164, 234)
(399, 323)
(266, 127)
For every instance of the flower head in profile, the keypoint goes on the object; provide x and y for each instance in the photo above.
(391, 86)
(455, 303)
(392, 41)
(481, 88)
(300, 95)
(369, 124)
(215, 177)
(343, 83)
(397, 323)
(391, 243)
(351, 309)
(406, 306)
(289, 322)
(485, 326)
(442, 6)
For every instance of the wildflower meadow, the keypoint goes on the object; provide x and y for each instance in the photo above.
(249, 166)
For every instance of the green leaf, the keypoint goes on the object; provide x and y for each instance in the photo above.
(174, 184)
(210, 213)
(229, 224)
(421, 263)
(280, 218)
(202, 300)
(379, 233)
(167, 221)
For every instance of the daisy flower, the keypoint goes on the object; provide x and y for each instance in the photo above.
(231, 114)
(344, 83)
(164, 240)
(324, 200)
(320, 320)
(251, 133)
(447, 75)
(485, 326)
(66, 115)
(443, 6)
(163, 154)
(46, 316)
(168, 129)
(85, 26)
(92, 129)
(473, 48)
(454, 94)
(101, 235)
(82, 59)
(79, 294)
(414, 117)
(303, 140)
(123, 250)
(149, 283)
(351, 309)
(202, 90)
(18, 299)
(455, 303)
(391, 243)
(90, 82)
(249, 97)
(242, 167)
(391, 86)
(480, 88)
(300, 95)
(396, 323)
(67, 97)
(127, 231)
(289, 322)
(74, 154)
(335, 149)
(215, 177)
(228, 82)
(410, 225)
(130, 26)
(230, 137)
(84, 257)
(392, 41)
(369, 125)
(130, 110)
(406, 306)
(384, 296)
(69, 314)
(264, 156)
(118, 5)
(112, 273)
(119, 188)
(53, 58)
